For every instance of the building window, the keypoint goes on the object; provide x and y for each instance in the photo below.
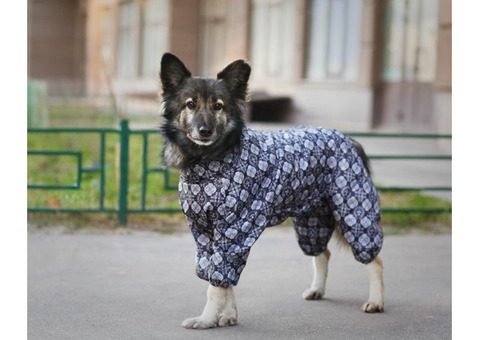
(127, 40)
(411, 38)
(333, 39)
(272, 38)
(213, 36)
(155, 36)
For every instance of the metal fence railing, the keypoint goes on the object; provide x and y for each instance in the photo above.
(124, 134)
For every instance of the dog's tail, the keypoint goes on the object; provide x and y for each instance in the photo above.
(363, 156)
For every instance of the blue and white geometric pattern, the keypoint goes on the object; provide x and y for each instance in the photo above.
(313, 175)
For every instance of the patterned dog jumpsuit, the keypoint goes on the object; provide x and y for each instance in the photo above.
(313, 175)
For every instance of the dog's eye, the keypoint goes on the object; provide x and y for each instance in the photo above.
(217, 106)
(191, 105)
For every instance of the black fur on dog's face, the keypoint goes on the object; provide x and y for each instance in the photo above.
(202, 116)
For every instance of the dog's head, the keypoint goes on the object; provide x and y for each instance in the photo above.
(204, 111)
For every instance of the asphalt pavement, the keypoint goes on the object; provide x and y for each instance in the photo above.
(141, 285)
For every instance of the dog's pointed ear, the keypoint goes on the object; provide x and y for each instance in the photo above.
(236, 77)
(172, 72)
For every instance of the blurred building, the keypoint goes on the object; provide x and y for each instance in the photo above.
(57, 45)
(353, 64)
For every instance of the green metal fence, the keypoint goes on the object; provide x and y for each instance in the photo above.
(124, 133)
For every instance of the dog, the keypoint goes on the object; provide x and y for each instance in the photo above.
(235, 182)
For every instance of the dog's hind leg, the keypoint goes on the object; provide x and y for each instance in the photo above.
(375, 275)
(220, 310)
(320, 271)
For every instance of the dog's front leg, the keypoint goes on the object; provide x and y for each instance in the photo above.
(220, 310)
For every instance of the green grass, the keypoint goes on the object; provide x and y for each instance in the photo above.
(81, 116)
(401, 223)
(62, 170)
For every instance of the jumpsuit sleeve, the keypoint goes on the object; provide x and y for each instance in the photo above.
(204, 241)
(355, 205)
(224, 234)
(240, 224)
(231, 248)
(196, 209)
(222, 255)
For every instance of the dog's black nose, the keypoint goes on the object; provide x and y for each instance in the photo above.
(205, 131)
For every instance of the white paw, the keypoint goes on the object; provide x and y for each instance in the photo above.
(199, 323)
(372, 307)
(313, 294)
(227, 321)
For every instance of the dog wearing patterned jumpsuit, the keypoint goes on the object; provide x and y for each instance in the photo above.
(235, 182)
